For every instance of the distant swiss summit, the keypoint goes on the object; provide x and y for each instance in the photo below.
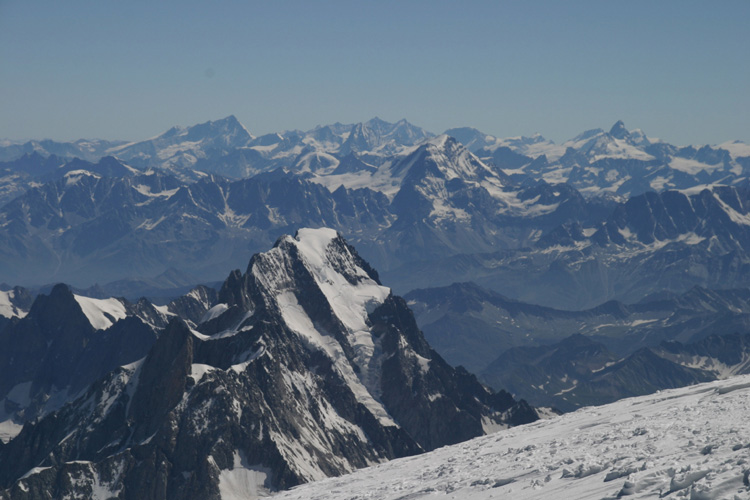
(620, 161)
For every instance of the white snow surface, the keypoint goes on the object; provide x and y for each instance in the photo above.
(736, 148)
(74, 176)
(532, 147)
(9, 429)
(214, 312)
(7, 308)
(243, 481)
(691, 443)
(692, 167)
(101, 313)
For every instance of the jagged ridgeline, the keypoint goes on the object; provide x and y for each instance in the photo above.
(305, 366)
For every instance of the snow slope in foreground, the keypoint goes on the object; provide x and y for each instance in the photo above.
(685, 443)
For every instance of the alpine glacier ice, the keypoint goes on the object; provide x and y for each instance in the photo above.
(683, 443)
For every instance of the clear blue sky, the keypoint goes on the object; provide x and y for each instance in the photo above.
(130, 69)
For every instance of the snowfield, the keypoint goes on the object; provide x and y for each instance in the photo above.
(689, 443)
(7, 309)
(101, 313)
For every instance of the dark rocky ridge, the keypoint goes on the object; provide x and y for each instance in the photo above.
(580, 372)
(54, 353)
(472, 326)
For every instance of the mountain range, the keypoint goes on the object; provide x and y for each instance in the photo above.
(612, 265)
(618, 161)
(569, 359)
(302, 367)
(409, 200)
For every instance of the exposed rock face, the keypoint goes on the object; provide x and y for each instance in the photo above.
(719, 214)
(471, 326)
(580, 372)
(193, 306)
(306, 367)
(52, 354)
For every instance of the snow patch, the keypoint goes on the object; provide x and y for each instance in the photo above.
(214, 312)
(734, 215)
(692, 167)
(9, 429)
(198, 370)
(737, 149)
(247, 358)
(7, 308)
(146, 191)
(101, 313)
(33, 471)
(243, 481)
(74, 176)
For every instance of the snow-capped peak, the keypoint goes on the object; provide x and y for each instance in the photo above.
(74, 176)
(440, 141)
(185, 146)
(379, 137)
(350, 291)
(618, 143)
(453, 160)
(618, 130)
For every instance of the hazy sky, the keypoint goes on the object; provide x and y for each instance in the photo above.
(130, 69)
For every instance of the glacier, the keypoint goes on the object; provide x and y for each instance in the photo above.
(692, 442)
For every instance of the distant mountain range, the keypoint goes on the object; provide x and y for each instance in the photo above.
(607, 215)
(619, 161)
(580, 372)
(569, 359)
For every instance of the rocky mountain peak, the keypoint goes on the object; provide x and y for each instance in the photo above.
(382, 137)
(618, 130)
(58, 310)
(227, 130)
(162, 378)
(378, 124)
(446, 157)
(311, 368)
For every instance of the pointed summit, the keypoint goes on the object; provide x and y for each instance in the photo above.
(376, 123)
(182, 147)
(618, 130)
(228, 131)
(379, 137)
